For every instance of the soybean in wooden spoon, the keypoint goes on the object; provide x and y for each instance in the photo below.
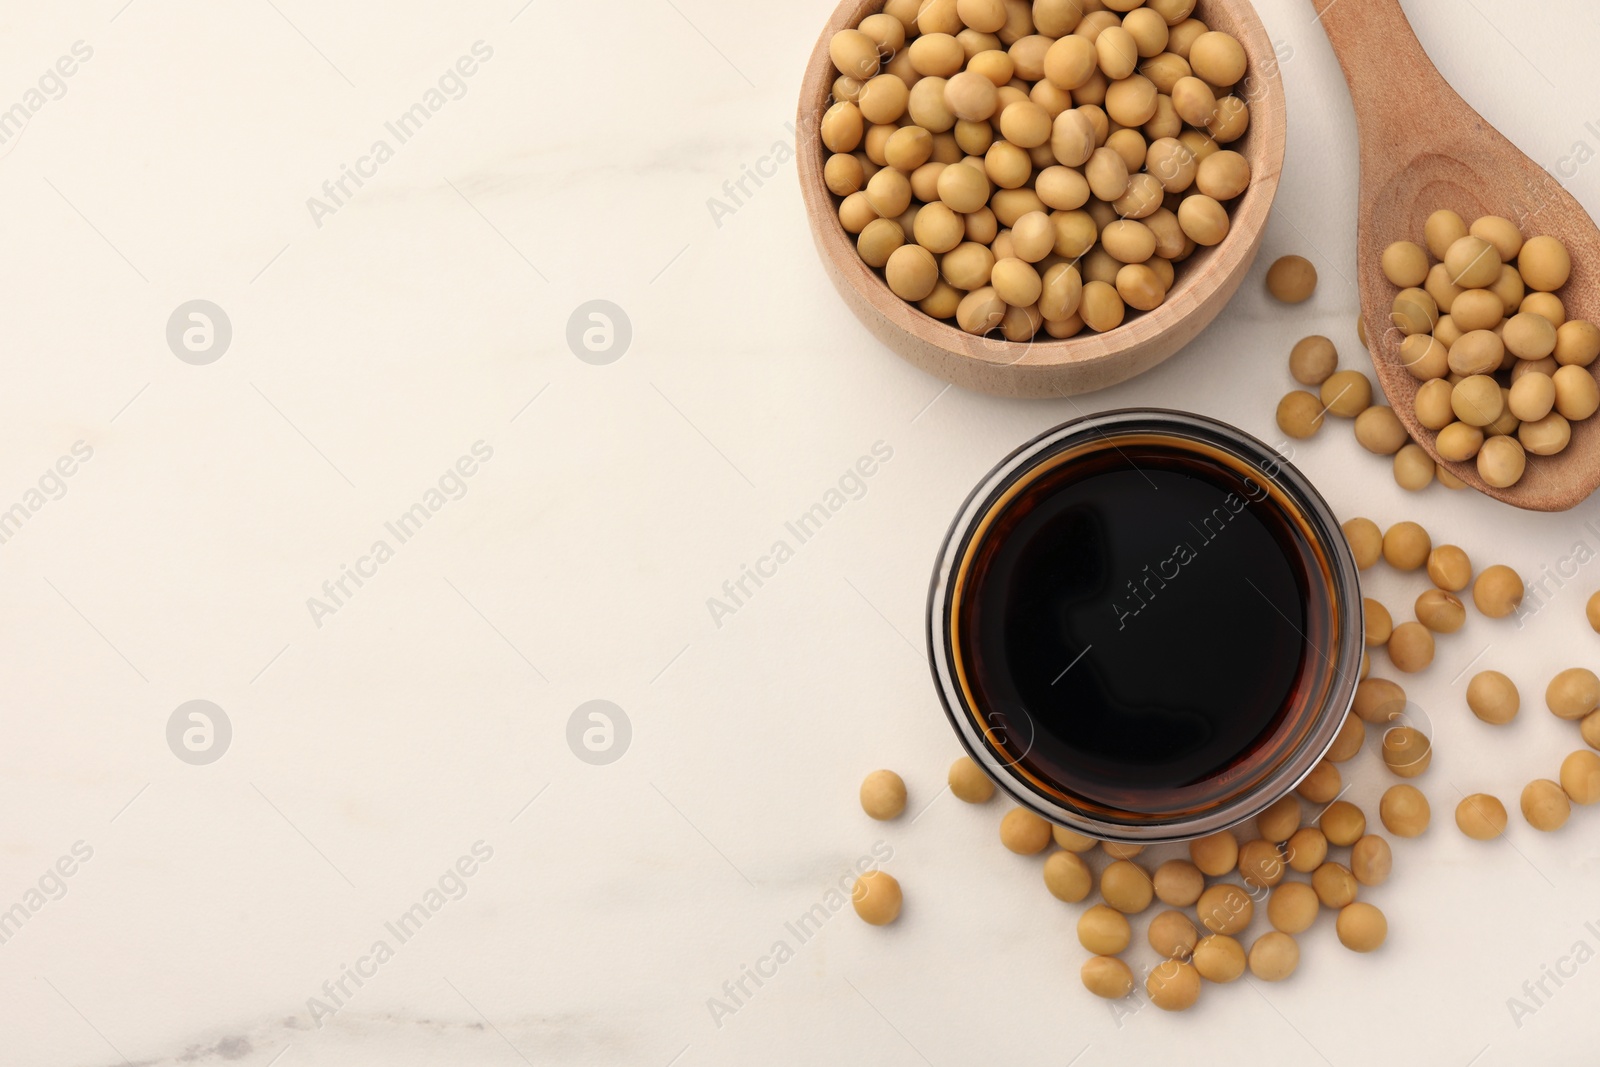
(1424, 148)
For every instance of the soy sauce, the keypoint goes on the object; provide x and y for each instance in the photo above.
(1137, 620)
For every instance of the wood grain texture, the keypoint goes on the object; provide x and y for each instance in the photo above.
(1424, 148)
(1047, 367)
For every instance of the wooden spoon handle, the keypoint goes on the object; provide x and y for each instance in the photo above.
(1396, 89)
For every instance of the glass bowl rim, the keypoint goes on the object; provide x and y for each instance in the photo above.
(1346, 592)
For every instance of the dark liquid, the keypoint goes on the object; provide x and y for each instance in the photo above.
(1136, 625)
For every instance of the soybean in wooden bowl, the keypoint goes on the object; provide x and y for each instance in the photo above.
(1046, 367)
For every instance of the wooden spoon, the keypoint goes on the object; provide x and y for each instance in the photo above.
(1424, 148)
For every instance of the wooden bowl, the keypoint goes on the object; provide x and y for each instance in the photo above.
(1046, 367)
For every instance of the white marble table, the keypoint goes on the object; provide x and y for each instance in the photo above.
(385, 731)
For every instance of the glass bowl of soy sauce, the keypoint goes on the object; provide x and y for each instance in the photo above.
(1145, 625)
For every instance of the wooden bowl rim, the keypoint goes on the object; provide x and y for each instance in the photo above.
(1263, 145)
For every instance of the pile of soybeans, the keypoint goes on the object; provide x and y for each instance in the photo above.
(1028, 167)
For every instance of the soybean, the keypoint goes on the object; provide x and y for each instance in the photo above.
(1107, 976)
(1279, 822)
(1343, 823)
(1172, 935)
(1322, 785)
(969, 783)
(1573, 693)
(1406, 546)
(1173, 985)
(1274, 956)
(1224, 909)
(1481, 817)
(877, 898)
(1313, 360)
(1219, 958)
(1404, 811)
(1413, 468)
(1366, 542)
(1067, 877)
(1406, 751)
(1306, 850)
(1071, 840)
(1104, 930)
(1261, 864)
(1292, 279)
(1379, 431)
(1335, 886)
(1378, 700)
(1292, 907)
(1411, 647)
(1493, 697)
(1300, 414)
(1215, 855)
(1405, 264)
(1545, 805)
(1347, 394)
(1498, 591)
(1361, 927)
(1024, 833)
(1371, 860)
(1580, 777)
(1441, 612)
(1126, 886)
(883, 795)
(1178, 883)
